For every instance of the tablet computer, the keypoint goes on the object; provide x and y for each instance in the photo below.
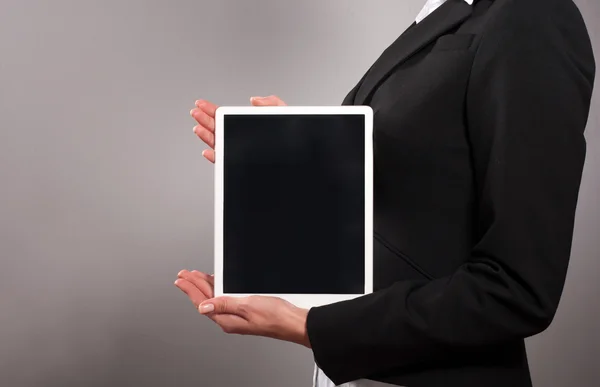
(293, 203)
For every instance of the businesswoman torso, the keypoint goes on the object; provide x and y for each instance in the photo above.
(479, 118)
(479, 114)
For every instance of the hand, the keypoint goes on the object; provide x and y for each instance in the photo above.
(255, 315)
(204, 114)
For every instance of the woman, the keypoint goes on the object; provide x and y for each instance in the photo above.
(480, 109)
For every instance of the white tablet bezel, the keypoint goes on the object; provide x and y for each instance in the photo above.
(300, 300)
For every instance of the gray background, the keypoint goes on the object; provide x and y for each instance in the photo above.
(104, 194)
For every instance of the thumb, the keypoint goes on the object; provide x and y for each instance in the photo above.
(271, 100)
(220, 305)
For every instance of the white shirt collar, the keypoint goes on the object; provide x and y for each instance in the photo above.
(431, 6)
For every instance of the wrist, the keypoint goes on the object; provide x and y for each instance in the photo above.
(298, 332)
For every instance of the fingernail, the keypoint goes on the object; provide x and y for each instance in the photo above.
(206, 308)
(192, 112)
(194, 128)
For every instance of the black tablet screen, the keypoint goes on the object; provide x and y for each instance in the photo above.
(294, 204)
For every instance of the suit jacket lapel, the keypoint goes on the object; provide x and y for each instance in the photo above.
(349, 99)
(449, 15)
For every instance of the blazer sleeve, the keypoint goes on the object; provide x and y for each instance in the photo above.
(527, 106)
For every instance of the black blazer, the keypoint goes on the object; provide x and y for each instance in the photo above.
(479, 149)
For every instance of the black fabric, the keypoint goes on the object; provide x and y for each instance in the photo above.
(479, 149)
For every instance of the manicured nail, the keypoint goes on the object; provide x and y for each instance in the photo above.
(206, 308)
(204, 153)
(192, 112)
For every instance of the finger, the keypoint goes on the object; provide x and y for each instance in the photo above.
(207, 107)
(201, 283)
(203, 119)
(271, 100)
(224, 305)
(195, 273)
(205, 276)
(209, 154)
(192, 291)
(205, 135)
